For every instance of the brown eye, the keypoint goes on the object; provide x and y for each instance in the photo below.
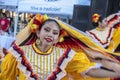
(47, 30)
(55, 33)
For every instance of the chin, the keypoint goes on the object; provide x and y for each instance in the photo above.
(49, 43)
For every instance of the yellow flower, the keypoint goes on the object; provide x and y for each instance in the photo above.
(95, 17)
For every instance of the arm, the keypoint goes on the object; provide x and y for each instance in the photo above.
(29, 29)
(9, 67)
(113, 66)
(19, 39)
(108, 69)
(7, 27)
(112, 69)
(101, 73)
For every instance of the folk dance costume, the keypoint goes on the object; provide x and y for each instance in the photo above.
(26, 60)
(108, 38)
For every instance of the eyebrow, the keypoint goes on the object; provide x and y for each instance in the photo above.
(50, 28)
(56, 30)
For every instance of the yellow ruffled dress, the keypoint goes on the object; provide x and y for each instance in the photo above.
(108, 38)
(76, 64)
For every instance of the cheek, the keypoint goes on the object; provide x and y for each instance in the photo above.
(104, 24)
(41, 35)
(56, 38)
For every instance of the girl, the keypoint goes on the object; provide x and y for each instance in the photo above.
(34, 54)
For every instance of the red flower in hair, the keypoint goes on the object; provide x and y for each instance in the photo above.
(36, 22)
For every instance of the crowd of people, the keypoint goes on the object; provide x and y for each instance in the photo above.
(49, 49)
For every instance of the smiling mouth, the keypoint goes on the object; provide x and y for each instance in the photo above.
(48, 39)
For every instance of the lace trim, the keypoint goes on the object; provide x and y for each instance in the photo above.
(60, 72)
(23, 65)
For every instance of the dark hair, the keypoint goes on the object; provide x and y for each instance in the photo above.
(50, 20)
(4, 14)
(32, 37)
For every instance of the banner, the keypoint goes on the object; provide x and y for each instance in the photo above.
(64, 7)
(9, 2)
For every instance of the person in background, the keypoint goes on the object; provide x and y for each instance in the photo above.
(4, 23)
(8, 15)
(34, 54)
(106, 32)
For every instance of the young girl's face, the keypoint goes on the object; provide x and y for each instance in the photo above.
(49, 33)
(103, 23)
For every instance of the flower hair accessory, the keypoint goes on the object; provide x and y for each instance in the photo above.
(36, 22)
(95, 17)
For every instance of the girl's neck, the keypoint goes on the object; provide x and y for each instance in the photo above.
(43, 47)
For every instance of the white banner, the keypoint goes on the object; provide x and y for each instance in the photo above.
(9, 2)
(64, 7)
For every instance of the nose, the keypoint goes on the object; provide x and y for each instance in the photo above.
(50, 34)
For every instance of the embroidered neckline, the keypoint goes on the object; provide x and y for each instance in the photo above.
(40, 52)
(108, 38)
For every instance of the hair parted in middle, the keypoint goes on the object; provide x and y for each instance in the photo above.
(35, 24)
